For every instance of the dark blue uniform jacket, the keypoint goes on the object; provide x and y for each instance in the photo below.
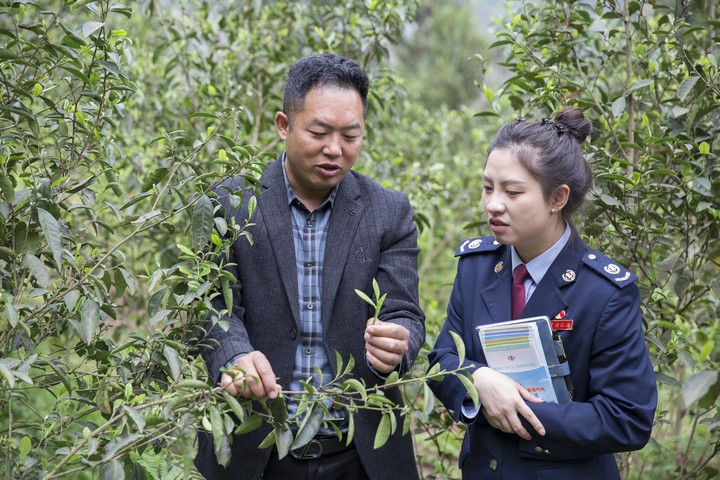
(614, 386)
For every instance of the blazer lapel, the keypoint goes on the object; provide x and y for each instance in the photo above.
(347, 211)
(275, 212)
(498, 290)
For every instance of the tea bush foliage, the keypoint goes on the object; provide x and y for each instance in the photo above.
(116, 119)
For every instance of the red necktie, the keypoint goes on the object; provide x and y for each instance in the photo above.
(520, 274)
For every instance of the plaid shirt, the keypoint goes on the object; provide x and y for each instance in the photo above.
(309, 237)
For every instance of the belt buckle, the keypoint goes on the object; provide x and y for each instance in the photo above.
(312, 450)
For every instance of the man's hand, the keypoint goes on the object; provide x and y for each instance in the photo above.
(252, 377)
(503, 401)
(386, 344)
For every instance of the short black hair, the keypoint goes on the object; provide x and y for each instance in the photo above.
(323, 70)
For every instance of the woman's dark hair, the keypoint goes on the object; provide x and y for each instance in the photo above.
(325, 70)
(550, 151)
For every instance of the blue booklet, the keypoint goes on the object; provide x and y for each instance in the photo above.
(526, 351)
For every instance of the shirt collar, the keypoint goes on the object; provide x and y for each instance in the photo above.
(291, 195)
(538, 266)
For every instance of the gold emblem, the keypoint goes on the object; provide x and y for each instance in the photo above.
(498, 267)
(568, 276)
(474, 244)
(612, 269)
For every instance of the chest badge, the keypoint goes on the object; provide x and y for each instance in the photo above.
(568, 276)
(475, 244)
(498, 267)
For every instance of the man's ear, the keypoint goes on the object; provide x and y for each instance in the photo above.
(282, 124)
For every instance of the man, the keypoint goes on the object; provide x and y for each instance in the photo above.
(320, 231)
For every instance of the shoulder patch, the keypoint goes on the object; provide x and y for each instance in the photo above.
(606, 267)
(477, 245)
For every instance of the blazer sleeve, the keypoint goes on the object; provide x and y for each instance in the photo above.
(618, 413)
(397, 275)
(226, 336)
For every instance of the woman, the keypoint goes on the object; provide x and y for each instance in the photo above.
(535, 177)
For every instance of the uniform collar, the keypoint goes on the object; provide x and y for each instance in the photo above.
(538, 266)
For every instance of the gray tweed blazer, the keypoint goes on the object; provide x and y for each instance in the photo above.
(371, 235)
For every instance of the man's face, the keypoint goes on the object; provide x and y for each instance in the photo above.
(322, 142)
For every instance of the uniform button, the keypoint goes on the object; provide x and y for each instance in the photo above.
(539, 449)
(309, 264)
(310, 306)
(308, 351)
(310, 224)
(293, 334)
(493, 464)
(592, 256)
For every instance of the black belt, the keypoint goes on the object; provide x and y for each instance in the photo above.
(319, 447)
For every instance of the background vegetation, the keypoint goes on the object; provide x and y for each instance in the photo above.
(116, 118)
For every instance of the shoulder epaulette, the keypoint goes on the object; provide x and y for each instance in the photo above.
(606, 267)
(477, 245)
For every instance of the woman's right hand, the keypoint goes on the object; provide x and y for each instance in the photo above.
(503, 402)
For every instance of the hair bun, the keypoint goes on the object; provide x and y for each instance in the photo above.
(575, 123)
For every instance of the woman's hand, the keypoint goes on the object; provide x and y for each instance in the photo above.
(503, 402)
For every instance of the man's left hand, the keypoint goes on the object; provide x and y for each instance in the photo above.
(386, 344)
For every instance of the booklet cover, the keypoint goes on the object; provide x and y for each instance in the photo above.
(525, 351)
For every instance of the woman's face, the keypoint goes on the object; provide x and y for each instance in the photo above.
(516, 208)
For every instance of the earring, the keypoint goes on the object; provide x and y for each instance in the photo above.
(552, 210)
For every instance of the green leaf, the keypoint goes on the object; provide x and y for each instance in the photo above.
(112, 470)
(118, 444)
(279, 410)
(51, 231)
(89, 320)
(192, 384)
(202, 221)
(157, 301)
(12, 314)
(154, 178)
(38, 269)
(173, 359)
(253, 422)
(351, 429)
(459, 346)
(6, 188)
(136, 199)
(364, 297)
(136, 417)
(309, 426)
(641, 84)
(234, 406)
(218, 427)
(697, 386)
(6, 372)
(283, 440)
(89, 28)
(467, 381)
(686, 86)
(110, 67)
(383, 432)
(269, 440)
(704, 148)
(24, 446)
(618, 107)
